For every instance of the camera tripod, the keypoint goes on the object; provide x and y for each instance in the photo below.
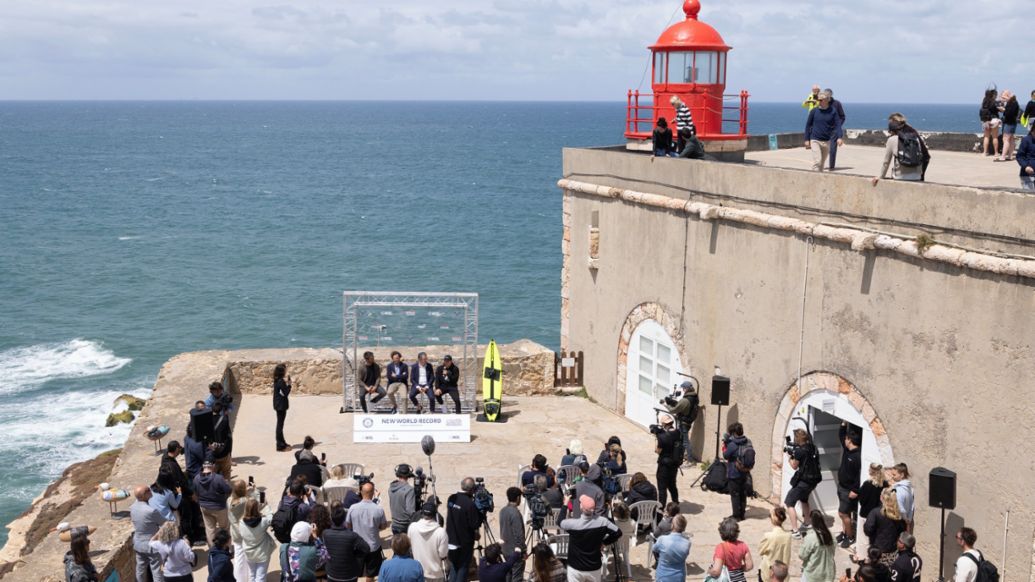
(487, 535)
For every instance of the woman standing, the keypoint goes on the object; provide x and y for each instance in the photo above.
(177, 557)
(165, 495)
(817, 551)
(732, 553)
(1011, 113)
(883, 526)
(303, 556)
(990, 122)
(238, 499)
(281, 390)
(78, 567)
(256, 541)
(776, 543)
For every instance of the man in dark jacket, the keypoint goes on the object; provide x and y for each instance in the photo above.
(848, 482)
(822, 128)
(281, 392)
(222, 440)
(308, 467)
(907, 565)
(212, 490)
(190, 513)
(369, 377)
(586, 535)
(294, 502)
(447, 381)
(669, 459)
(194, 453)
(737, 477)
(1026, 159)
(685, 412)
(398, 382)
(840, 111)
(220, 561)
(463, 524)
(590, 487)
(347, 550)
(422, 381)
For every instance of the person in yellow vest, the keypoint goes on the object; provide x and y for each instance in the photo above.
(812, 101)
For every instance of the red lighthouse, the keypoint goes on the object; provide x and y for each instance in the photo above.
(689, 61)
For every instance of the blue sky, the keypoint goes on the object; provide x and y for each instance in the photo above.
(943, 51)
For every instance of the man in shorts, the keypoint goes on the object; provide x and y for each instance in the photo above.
(848, 483)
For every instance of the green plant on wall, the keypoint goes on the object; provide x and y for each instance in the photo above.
(924, 241)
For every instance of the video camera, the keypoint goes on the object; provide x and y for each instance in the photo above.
(420, 484)
(483, 501)
(656, 429)
(362, 479)
(537, 507)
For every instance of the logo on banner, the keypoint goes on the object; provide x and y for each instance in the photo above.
(368, 422)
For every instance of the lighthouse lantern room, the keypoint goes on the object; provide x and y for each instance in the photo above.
(689, 61)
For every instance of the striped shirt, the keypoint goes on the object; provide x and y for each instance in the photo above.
(684, 120)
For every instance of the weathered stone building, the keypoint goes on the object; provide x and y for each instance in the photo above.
(905, 309)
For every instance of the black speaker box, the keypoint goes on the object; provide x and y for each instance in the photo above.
(720, 390)
(942, 488)
(203, 424)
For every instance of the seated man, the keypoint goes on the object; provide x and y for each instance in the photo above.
(308, 465)
(398, 380)
(368, 378)
(422, 381)
(447, 381)
(539, 467)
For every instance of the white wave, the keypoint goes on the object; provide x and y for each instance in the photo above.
(33, 365)
(128, 237)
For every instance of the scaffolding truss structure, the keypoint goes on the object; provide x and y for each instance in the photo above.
(464, 303)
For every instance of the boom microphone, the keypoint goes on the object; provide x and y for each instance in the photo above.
(427, 444)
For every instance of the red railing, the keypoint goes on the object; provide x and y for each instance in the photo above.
(639, 117)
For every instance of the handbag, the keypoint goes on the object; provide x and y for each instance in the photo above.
(724, 576)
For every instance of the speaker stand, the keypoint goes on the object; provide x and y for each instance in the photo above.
(941, 551)
(718, 431)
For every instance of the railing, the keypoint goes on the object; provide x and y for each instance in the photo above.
(639, 117)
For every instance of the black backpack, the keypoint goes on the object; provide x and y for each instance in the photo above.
(283, 520)
(716, 478)
(678, 452)
(745, 457)
(987, 572)
(691, 413)
(910, 151)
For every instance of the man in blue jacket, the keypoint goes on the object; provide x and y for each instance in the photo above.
(823, 126)
(1026, 159)
(735, 439)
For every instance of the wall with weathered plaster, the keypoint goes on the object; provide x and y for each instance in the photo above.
(943, 354)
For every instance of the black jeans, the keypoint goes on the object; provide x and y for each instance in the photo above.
(667, 483)
(281, 415)
(454, 393)
(738, 496)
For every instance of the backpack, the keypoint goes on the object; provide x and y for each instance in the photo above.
(910, 151)
(691, 413)
(987, 572)
(716, 478)
(677, 452)
(746, 457)
(283, 520)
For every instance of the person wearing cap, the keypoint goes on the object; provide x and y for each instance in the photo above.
(402, 500)
(447, 381)
(429, 542)
(212, 491)
(907, 565)
(586, 535)
(669, 459)
(422, 381)
(685, 412)
(822, 127)
(346, 551)
(368, 378)
(303, 555)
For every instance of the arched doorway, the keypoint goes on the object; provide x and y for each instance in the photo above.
(821, 402)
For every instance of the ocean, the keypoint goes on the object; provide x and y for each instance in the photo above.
(138, 230)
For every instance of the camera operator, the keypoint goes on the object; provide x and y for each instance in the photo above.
(216, 393)
(463, 522)
(848, 482)
(733, 441)
(684, 408)
(670, 457)
(589, 486)
(402, 500)
(804, 459)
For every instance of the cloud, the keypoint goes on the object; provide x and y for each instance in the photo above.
(872, 50)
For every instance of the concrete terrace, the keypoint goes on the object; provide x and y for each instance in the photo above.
(947, 167)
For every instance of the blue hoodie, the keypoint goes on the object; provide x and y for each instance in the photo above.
(730, 454)
(220, 566)
(401, 569)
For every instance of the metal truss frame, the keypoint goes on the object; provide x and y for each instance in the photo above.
(353, 301)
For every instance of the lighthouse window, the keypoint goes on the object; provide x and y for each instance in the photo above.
(659, 68)
(707, 68)
(681, 67)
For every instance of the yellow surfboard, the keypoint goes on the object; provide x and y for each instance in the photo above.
(492, 382)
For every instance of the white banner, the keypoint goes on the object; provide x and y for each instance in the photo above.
(411, 428)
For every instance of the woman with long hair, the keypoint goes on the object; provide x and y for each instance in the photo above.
(78, 566)
(990, 122)
(238, 497)
(883, 526)
(177, 557)
(545, 566)
(165, 494)
(281, 391)
(732, 553)
(1011, 115)
(257, 543)
(817, 551)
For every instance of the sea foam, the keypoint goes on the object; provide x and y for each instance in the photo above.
(30, 366)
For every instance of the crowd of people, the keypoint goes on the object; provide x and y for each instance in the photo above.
(326, 524)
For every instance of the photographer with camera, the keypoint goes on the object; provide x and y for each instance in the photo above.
(740, 457)
(670, 456)
(804, 459)
(683, 405)
(463, 522)
(402, 500)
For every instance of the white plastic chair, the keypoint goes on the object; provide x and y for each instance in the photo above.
(351, 469)
(567, 474)
(646, 512)
(559, 545)
(332, 494)
(623, 481)
(521, 471)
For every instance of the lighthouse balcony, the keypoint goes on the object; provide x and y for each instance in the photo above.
(643, 110)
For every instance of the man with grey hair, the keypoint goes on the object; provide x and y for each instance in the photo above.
(780, 572)
(907, 565)
(812, 100)
(422, 378)
(463, 522)
(840, 110)
(146, 521)
(822, 128)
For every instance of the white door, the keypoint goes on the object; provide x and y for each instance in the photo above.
(651, 371)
